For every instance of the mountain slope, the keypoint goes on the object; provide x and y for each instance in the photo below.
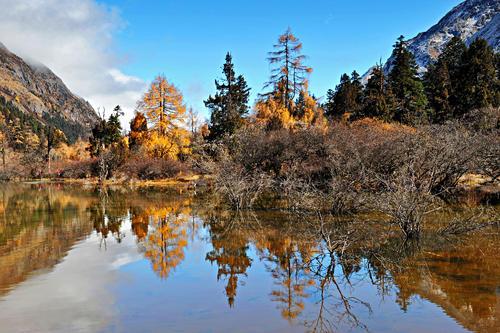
(469, 20)
(36, 90)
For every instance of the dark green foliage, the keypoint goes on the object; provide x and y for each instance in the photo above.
(230, 104)
(406, 85)
(347, 97)
(114, 127)
(72, 130)
(378, 99)
(462, 79)
(478, 78)
(439, 90)
(19, 125)
(105, 133)
(452, 58)
(442, 81)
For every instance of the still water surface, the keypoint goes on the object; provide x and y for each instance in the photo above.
(72, 260)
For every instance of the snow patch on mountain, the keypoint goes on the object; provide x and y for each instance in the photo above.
(469, 20)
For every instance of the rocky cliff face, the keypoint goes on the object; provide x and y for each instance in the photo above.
(470, 20)
(36, 90)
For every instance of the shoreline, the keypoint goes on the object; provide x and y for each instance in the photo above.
(188, 180)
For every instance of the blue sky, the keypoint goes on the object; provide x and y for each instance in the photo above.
(187, 40)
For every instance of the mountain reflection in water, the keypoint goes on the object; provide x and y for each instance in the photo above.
(74, 259)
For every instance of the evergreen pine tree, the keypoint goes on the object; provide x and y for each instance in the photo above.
(105, 133)
(406, 85)
(113, 126)
(356, 91)
(378, 100)
(438, 87)
(230, 103)
(442, 81)
(478, 83)
(329, 105)
(300, 106)
(341, 98)
(347, 97)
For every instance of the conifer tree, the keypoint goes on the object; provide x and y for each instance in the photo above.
(438, 87)
(347, 97)
(113, 126)
(341, 102)
(289, 75)
(378, 101)
(406, 84)
(230, 104)
(106, 133)
(307, 110)
(442, 81)
(165, 111)
(478, 84)
(329, 105)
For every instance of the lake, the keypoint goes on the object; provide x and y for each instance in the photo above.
(73, 259)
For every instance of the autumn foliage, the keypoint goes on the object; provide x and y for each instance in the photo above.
(165, 112)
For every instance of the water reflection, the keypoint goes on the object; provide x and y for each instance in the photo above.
(310, 274)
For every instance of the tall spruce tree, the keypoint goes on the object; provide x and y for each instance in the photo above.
(378, 100)
(347, 97)
(406, 84)
(230, 104)
(478, 83)
(438, 87)
(357, 88)
(106, 132)
(442, 81)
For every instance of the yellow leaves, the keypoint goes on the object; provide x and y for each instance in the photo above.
(165, 111)
(170, 145)
(165, 244)
(75, 152)
(273, 114)
(163, 105)
(270, 112)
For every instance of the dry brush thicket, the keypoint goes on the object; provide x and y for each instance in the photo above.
(406, 173)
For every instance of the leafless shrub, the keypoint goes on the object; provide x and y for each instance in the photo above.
(405, 201)
(483, 120)
(403, 172)
(148, 168)
(78, 169)
(471, 221)
(239, 187)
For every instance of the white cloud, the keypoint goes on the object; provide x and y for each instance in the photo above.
(74, 38)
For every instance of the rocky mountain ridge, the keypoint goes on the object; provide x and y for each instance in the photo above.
(34, 89)
(469, 20)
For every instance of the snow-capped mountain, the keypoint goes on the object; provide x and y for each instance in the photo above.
(469, 20)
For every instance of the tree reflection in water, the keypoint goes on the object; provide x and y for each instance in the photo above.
(167, 237)
(316, 264)
(230, 246)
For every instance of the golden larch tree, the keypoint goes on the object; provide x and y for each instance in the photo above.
(165, 111)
